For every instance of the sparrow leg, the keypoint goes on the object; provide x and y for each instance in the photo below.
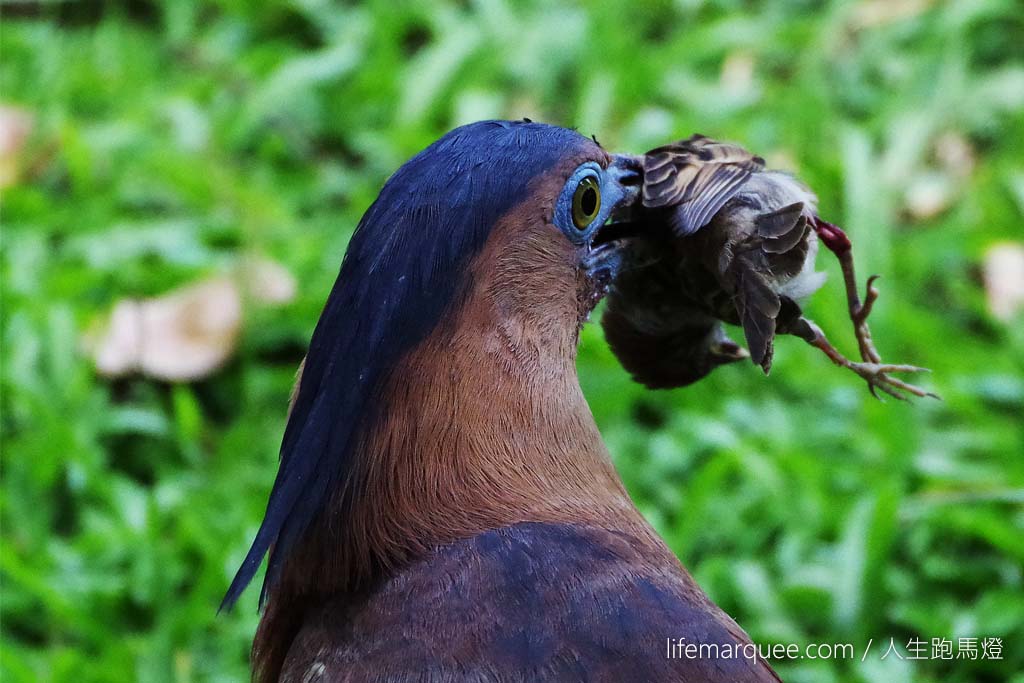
(837, 241)
(875, 373)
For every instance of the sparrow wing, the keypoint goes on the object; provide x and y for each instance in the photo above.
(777, 249)
(784, 239)
(695, 177)
(758, 306)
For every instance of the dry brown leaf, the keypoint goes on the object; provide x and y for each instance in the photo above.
(1004, 279)
(190, 332)
(955, 154)
(181, 336)
(928, 195)
(737, 75)
(935, 189)
(267, 282)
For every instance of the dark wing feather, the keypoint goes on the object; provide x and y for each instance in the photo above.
(784, 239)
(777, 248)
(758, 306)
(696, 177)
(780, 224)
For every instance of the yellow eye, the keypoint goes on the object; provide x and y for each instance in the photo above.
(586, 202)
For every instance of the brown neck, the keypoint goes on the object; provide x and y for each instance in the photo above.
(482, 425)
(485, 423)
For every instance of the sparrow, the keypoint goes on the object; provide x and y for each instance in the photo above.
(727, 240)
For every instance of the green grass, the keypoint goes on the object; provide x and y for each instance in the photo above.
(172, 139)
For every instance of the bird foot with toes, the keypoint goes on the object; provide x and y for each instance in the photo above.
(872, 369)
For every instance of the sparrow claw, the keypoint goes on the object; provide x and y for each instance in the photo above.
(876, 374)
(871, 292)
(877, 377)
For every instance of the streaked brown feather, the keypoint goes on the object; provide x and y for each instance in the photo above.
(696, 177)
(777, 248)
(731, 241)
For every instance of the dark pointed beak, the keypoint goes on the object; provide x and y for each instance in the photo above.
(626, 175)
(603, 254)
(621, 189)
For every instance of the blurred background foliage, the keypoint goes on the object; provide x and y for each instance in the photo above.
(149, 145)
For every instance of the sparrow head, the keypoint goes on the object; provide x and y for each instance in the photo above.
(659, 351)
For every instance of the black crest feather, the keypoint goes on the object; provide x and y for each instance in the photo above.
(403, 267)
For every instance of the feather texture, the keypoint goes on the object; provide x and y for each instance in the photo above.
(724, 241)
(529, 602)
(695, 177)
(658, 320)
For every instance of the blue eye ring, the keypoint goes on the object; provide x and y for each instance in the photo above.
(586, 202)
(581, 203)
